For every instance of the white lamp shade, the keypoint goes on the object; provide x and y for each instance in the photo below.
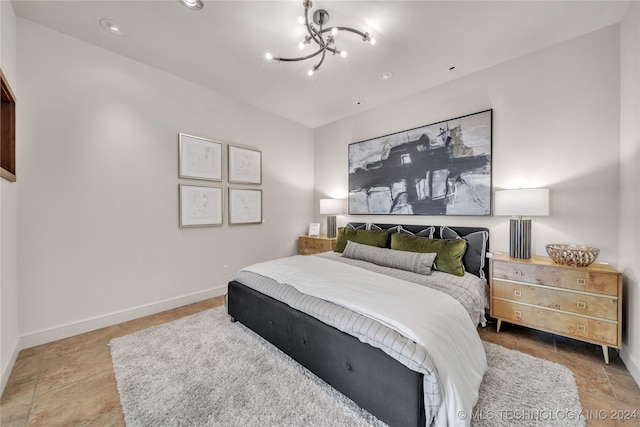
(330, 206)
(522, 202)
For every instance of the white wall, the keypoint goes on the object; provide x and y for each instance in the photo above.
(8, 217)
(98, 233)
(556, 124)
(629, 184)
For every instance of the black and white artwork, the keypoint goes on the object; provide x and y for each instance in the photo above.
(200, 158)
(200, 205)
(439, 169)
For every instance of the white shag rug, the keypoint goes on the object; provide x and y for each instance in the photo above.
(203, 370)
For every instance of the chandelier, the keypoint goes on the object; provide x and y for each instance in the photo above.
(321, 35)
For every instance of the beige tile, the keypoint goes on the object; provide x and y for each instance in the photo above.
(26, 368)
(15, 403)
(624, 387)
(90, 401)
(64, 365)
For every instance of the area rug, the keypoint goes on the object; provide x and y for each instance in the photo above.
(203, 370)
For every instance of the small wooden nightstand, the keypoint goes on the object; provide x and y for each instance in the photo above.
(584, 303)
(308, 245)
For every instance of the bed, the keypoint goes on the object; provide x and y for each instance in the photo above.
(385, 369)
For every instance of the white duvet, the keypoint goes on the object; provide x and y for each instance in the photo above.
(431, 318)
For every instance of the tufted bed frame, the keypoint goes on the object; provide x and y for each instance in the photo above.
(372, 379)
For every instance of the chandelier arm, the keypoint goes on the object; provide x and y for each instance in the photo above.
(352, 30)
(324, 54)
(301, 58)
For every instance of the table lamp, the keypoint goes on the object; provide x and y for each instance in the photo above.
(517, 204)
(331, 207)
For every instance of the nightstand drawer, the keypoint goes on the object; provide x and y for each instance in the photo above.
(562, 323)
(558, 276)
(578, 280)
(596, 306)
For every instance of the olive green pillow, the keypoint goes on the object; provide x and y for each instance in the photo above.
(366, 237)
(449, 252)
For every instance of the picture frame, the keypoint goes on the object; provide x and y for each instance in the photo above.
(314, 229)
(245, 206)
(199, 158)
(443, 168)
(200, 205)
(244, 165)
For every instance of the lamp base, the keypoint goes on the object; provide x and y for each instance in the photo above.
(520, 238)
(331, 226)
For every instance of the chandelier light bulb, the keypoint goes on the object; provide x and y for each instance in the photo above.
(301, 45)
(301, 20)
(373, 40)
(334, 31)
(310, 72)
(268, 56)
(343, 54)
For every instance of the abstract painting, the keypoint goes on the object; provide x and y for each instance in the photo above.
(439, 169)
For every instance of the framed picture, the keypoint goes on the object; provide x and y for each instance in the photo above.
(200, 205)
(245, 165)
(439, 169)
(245, 206)
(314, 229)
(200, 158)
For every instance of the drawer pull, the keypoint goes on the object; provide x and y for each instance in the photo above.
(581, 328)
(581, 304)
(581, 281)
(518, 272)
(518, 313)
(517, 293)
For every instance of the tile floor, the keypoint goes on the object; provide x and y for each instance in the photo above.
(71, 383)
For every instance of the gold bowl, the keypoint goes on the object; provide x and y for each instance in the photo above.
(572, 254)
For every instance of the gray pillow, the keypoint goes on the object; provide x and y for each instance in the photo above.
(415, 262)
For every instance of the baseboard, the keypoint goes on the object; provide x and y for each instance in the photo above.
(87, 325)
(8, 367)
(633, 369)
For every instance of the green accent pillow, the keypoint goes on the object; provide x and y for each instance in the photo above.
(449, 252)
(366, 237)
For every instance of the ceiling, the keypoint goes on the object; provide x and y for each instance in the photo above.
(222, 46)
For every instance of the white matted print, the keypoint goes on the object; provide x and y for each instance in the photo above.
(200, 158)
(245, 206)
(245, 165)
(200, 206)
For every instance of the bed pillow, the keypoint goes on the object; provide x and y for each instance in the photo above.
(449, 252)
(366, 237)
(410, 261)
(476, 254)
(427, 232)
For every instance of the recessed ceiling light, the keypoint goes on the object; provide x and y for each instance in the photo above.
(358, 103)
(386, 75)
(113, 27)
(192, 4)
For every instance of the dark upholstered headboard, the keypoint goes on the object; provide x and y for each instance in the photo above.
(462, 232)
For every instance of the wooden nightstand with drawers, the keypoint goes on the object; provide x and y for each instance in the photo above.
(308, 245)
(584, 303)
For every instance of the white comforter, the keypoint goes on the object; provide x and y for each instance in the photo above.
(431, 318)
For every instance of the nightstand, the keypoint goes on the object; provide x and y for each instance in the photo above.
(584, 303)
(308, 245)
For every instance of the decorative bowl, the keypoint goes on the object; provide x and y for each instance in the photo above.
(572, 254)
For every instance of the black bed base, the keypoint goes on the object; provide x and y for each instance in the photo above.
(368, 376)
